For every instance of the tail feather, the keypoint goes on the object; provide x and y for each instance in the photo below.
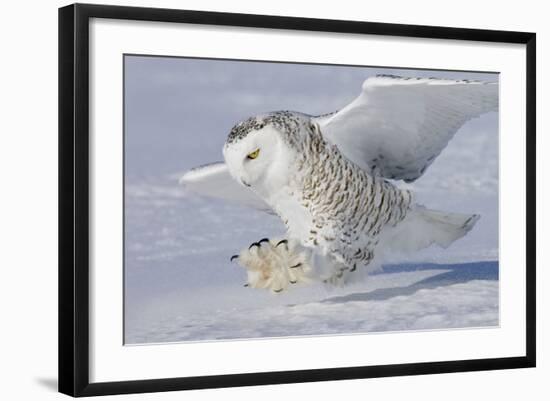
(424, 227)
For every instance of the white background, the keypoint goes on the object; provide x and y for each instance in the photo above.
(28, 219)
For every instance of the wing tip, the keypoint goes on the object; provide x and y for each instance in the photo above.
(199, 172)
(390, 79)
(183, 180)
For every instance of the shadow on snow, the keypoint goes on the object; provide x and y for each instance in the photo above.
(451, 274)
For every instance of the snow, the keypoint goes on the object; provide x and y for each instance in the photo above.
(179, 282)
(396, 300)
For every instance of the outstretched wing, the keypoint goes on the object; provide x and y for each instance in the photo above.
(213, 180)
(398, 126)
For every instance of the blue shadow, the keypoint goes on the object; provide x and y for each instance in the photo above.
(451, 274)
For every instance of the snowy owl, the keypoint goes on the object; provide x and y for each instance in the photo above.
(334, 179)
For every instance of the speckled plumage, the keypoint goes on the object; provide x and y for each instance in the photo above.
(286, 121)
(346, 206)
(349, 206)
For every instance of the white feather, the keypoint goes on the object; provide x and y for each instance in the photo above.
(398, 126)
(423, 227)
(213, 180)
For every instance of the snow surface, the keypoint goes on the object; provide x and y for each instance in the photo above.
(179, 283)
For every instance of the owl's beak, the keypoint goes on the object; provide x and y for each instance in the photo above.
(246, 184)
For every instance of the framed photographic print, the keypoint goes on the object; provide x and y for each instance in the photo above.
(250, 199)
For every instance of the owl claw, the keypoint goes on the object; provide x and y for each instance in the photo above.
(233, 258)
(296, 265)
(274, 268)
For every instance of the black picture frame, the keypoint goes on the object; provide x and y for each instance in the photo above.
(74, 198)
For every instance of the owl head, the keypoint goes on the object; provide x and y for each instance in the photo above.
(259, 151)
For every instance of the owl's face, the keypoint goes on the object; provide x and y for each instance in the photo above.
(260, 160)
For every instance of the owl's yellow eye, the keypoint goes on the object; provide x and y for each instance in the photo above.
(254, 154)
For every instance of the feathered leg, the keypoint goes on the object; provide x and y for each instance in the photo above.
(275, 264)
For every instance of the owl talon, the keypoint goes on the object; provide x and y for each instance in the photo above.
(295, 266)
(275, 268)
(233, 258)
